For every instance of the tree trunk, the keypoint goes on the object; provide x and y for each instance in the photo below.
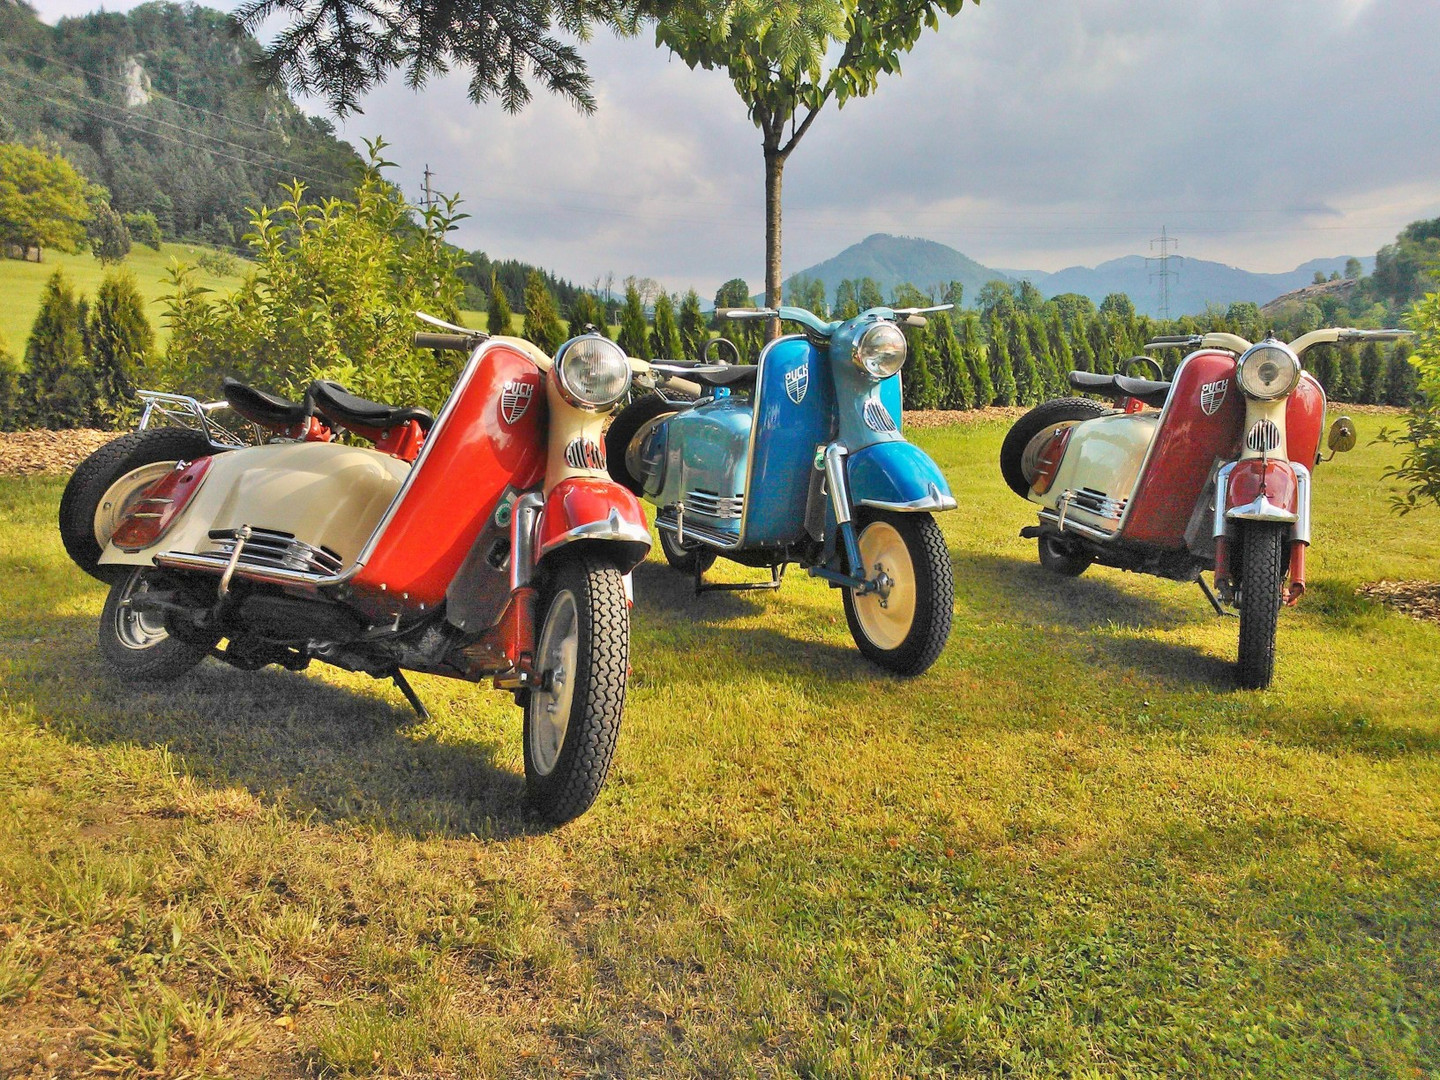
(774, 169)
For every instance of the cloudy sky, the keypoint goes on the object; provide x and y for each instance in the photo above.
(1029, 134)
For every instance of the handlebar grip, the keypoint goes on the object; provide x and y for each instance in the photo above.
(455, 342)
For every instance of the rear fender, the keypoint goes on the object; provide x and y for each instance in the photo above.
(597, 513)
(897, 476)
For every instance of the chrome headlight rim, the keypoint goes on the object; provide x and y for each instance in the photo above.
(868, 356)
(572, 393)
(1253, 357)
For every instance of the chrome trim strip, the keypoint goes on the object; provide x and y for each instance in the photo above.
(933, 501)
(269, 575)
(523, 516)
(837, 482)
(1301, 532)
(1260, 509)
(611, 528)
(709, 537)
(1052, 518)
(1222, 490)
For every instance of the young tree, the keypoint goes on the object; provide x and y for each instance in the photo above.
(1354, 383)
(1373, 370)
(634, 336)
(971, 337)
(42, 201)
(9, 390)
(119, 343)
(1029, 381)
(778, 59)
(693, 334)
(542, 325)
(956, 389)
(847, 306)
(1002, 372)
(586, 311)
(667, 344)
(54, 386)
(144, 228)
(109, 238)
(497, 312)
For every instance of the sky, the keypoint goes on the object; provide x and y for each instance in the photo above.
(1028, 134)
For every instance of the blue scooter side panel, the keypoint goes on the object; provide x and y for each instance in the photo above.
(794, 403)
(899, 476)
(706, 449)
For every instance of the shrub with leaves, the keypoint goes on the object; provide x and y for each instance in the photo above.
(331, 296)
(1419, 468)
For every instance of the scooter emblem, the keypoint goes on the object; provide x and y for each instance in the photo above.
(515, 398)
(1212, 396)
(797, 381)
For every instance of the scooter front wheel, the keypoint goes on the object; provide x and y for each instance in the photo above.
(1262, 568)
(572, 720)
(902, 625)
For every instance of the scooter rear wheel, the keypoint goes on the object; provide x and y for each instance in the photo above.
(1059, 558)
(572, 719)
(904, 625)
(1025, 434)
(688, 560)
(623, 430)
(135, 643)
(1262, 568)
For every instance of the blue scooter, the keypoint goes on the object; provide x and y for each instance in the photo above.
(799, 459)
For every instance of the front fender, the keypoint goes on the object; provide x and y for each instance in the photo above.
(1263, 489)
(596, 512)
(897, 476)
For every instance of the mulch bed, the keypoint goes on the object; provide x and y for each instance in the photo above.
(23, 453)
(1420, 599)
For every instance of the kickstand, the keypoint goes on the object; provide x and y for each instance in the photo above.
(1209, 595)
(403, 685)
(776, 573)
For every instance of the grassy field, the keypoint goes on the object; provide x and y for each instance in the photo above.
(1072, 849)
(21, 284)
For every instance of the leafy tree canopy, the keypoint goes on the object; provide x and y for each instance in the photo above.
(42, 199)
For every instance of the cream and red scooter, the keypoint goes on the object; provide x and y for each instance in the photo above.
(490, 543)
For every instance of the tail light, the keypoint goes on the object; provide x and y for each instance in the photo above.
(156, 510)
(1050, 458)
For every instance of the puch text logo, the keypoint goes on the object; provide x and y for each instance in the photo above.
(797, 381)
(584, 454)
(515, 397)
(1212, 395)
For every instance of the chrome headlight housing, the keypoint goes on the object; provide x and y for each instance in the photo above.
(592, 372)
(1268, 370)
(880, 352)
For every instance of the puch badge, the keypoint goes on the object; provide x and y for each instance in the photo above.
(797, 381)
(1212, 396)
(515, 397)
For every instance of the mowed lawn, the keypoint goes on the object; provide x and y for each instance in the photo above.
(1071, 849)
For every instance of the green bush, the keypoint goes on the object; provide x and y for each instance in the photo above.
(9, 390)
(331, 296)
(144, 228)
(55, 387)
(119, 343)
(1419, 442)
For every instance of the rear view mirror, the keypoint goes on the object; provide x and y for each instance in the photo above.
(1342, 435)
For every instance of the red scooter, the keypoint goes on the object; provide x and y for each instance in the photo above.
(487, 543)
(1208, 471)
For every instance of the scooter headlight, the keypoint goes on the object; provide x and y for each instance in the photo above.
(1268, 371)
(880, 352)
(592, 372)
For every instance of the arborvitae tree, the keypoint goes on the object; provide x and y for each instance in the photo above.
(1029, 381)
(666, 340)
(542, 325)
(693, 334)
(976, 356)
(868, 294)
(1052, 381)
(1098, 332)
(9, 390)
(1373, 371)
(54, 387)
(1082, 352)
(847, 304)
(586, 312)
(119, 343)
(1062, 355)
(1002, 372)
(634, 336)
(956, 390)
(109, 238)
(1350, 375)
(1402, 380)
(497, 316)
(918, 384)
(1321, 361)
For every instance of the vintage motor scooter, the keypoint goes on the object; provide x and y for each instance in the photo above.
(1217, 479)
(488, 543)
(799, 458)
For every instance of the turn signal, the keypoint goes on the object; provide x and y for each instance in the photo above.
(156, 510)
(1050, 458)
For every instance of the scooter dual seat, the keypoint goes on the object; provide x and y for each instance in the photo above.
(340, 406)
(1121, 386)
(267, 410)
(710, 374)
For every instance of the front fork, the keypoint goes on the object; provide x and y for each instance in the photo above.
(838, 485)
(1262, 509)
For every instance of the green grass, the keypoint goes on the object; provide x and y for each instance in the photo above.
(1072, 849)
(21, 284)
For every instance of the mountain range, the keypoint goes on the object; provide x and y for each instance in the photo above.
(895, 260)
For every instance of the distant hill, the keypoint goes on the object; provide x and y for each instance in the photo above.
(894, 260)
(162, 105)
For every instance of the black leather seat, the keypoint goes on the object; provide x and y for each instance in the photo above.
(1118, 386)
(341, 407)
(710, 374)
(267, 410)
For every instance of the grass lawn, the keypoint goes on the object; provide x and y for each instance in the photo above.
(21, 284)
(1072, 849)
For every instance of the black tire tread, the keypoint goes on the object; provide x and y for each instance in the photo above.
(1031, 424)
(623, 428)
(927, 637)
(1262, 569)
(93, 477)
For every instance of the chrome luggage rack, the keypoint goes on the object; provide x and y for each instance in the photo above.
(178, 410)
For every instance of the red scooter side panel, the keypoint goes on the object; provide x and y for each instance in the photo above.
(1188, 440)
(492, 439)
(581, 501)
(1304, 419)
(1271, 475)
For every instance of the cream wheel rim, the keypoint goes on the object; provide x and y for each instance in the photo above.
(551, 701)
(121, 496)
(887, 614)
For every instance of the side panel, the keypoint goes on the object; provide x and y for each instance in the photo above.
(1201, 422)
(1104, 456)
(586, 509)
(1305, 421)
(794, 407)
(706, 454)
(897, 474)
(487, 443)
